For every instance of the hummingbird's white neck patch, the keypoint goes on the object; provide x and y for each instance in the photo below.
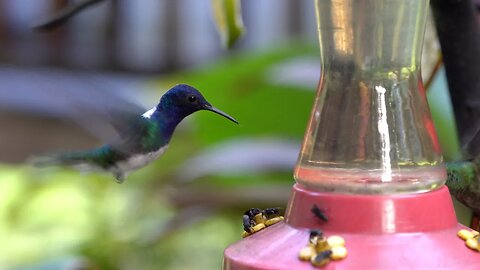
(149, 113)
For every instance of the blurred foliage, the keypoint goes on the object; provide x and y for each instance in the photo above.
(443, 117)
(65, 216)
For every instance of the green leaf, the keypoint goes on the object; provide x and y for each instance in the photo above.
(228, 19)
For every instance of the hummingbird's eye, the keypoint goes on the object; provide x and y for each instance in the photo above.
(192, 98)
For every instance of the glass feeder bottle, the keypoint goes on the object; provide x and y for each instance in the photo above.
(370, 129)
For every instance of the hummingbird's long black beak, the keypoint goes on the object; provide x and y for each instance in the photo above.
(217, 111)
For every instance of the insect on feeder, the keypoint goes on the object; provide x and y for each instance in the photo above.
(370, 158)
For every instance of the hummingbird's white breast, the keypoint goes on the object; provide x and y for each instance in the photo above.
(134, 162)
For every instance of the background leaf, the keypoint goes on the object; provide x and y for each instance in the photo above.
(227, 15)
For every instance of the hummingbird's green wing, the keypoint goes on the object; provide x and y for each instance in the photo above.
(135, 135)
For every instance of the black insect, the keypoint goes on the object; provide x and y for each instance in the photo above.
(271, 212)
(322, 258)
(319, 213)
(248, 224)
(252, 212)
(315, 235)
(248, 219)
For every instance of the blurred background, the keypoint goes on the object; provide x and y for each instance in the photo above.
(182, 211)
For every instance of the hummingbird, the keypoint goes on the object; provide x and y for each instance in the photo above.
(142, 137)
(463, 177)
(463, 181)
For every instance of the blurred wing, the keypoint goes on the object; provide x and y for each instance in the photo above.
(113, 118)
(98, 104)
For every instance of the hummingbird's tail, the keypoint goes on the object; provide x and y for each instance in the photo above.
(59, 159)
(98, 159)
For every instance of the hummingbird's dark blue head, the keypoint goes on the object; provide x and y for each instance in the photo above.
(183, 100)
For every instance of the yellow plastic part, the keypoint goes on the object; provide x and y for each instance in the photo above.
(306, 253)
(338, 253)
(274, 220)
(465, 234)
(336, 240)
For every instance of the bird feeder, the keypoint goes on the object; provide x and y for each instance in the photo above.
(370, 159)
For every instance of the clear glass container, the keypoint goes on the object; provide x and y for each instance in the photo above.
(370, 130)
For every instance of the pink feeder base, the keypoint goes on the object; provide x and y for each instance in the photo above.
(414, 231)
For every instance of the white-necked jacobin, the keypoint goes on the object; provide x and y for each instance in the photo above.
(142, 137)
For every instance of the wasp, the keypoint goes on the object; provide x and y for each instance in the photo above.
(256, 219)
